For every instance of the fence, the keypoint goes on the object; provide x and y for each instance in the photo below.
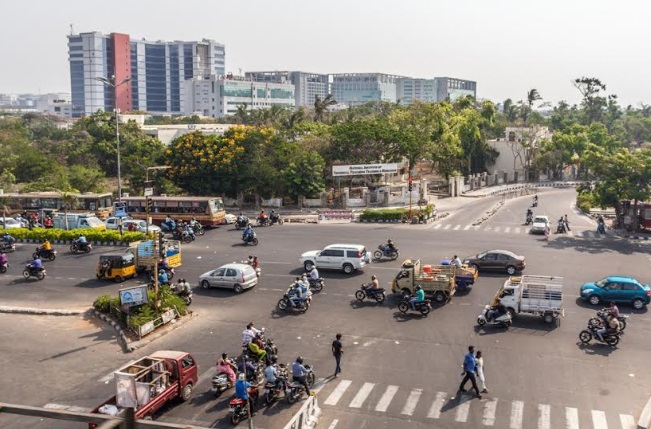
(307, 417)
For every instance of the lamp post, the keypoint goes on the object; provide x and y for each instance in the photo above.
(158, 167)
(111, 82)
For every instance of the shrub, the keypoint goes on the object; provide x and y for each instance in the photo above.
(384, 214)
(104, 302)
(585, 202)
(92, 234)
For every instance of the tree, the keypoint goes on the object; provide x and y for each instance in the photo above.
(304, 174)
(532, 96)
(593, 103)
(365, 141)
(321, 106)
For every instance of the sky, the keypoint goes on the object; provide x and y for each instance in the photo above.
(507, 46)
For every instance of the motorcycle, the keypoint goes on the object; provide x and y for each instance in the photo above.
(241, 222)
(4, 267)
(386, 251)
(534, 203)
(612, 339)
(601, 227)
(187, 296)
(7, 247)
(316, 285)
(169, 271)
(529, 220)
(263, 221)
(45, 254)
(366, 291)
(168, 226)
(423, 307)
(294, 389)
(30, 271)
(183, 236)
(252, 238)
(275, 218)
(198, 228)
(485, 317)
(258, 270)
(285, 304)
(561, 228)
(599, 320)
(272, 391)
(77, 247)
(239, 410)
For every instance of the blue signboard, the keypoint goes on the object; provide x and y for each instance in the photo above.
(120, 209)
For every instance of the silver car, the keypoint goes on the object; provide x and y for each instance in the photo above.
(231, 276)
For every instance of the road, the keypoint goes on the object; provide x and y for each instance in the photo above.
(398, 371)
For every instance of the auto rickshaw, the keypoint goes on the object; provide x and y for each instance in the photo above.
(116, 266)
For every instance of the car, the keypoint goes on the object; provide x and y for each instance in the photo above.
(230, 276)
(230, 218)
(496, 260)
(617, 289)
(345, 257)
(9, 223)
(539, 224)
(113, 222)
(139, 225)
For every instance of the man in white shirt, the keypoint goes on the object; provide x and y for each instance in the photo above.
(249, 333)
(456, 261)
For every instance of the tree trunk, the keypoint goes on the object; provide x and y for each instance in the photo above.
(635, 219)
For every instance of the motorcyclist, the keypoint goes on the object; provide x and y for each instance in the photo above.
(614, 310)
(242, 391)
(296, 293)
(47, 222)
(273, 216)
(193, 222)
(187, 229)
(391, 246)
(314, 274)
(81, 241)
(240, 219)
(46, 246)
(248, 233)
(164, 264)
(225, 366)
(299, 374)
(163, 279)
(497, 310)
(529, 217)
(560, 228)
(271, 373)
(420, 297)
(3, 259)
(611, 326)
(456, 261)
(8, 239)
(169, 223)
(375, 284)
(262, 217)
(36, 264)
(255, 263)
(601, 225)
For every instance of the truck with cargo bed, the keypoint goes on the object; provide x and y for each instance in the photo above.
(531, 294)
(437, 281)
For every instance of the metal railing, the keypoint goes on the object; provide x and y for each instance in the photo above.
(307, 417)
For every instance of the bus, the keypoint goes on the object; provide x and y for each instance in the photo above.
(207, 210)
(47, 202)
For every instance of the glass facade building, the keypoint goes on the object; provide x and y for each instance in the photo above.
(355, 89)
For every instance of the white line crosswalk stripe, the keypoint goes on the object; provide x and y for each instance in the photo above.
(412, 401)
(517, 410)
(456, 228)
(435, 409)
(497, 229)
(447, 226)
(467, 227)
(544, 414)
(338, 392)
(463, 408)
(517, 230)
(361, 395)
(438, 226)
(386, 398)
(571, 418)
(507, 229)
(488, 417)
(599, 420)
(627, 421)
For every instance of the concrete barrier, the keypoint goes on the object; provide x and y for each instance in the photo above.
(307, 416)
(336, 216)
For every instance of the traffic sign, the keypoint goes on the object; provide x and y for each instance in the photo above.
(120, 209)
(149, 192)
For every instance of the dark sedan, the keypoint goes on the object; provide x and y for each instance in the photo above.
(496, 260)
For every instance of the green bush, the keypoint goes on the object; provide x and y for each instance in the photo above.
(92, 234)
(585, 202)
(384, 214)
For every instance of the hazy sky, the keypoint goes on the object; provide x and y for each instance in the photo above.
(507, 46)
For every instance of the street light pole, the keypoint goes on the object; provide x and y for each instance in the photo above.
(111, 82)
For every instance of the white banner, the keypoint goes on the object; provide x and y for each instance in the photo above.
(355, 170)
(125, 390)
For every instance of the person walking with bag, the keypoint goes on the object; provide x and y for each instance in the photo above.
(337, 351)
(469, 366)
(479, 369)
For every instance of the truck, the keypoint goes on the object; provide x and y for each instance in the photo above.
(532, 294)
(77, 221)
(465, 276)
(437, 281)
(151, 382)
(145, 259)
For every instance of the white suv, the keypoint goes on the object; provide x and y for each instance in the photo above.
(346, 257)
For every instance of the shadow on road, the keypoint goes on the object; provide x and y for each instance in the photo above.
(596, 349)
(592, 246)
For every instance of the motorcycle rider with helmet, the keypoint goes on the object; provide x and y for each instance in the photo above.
(299, 374)
(247, 234)
(296, 294)
(8, 239)
(391, 246)
(271, 373)
(45, 247)
(81, 241)
(36, 264)
(420, 297)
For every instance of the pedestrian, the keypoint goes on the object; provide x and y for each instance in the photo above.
(469, 366)
(547, 231)
(337, 351)
(480, 371)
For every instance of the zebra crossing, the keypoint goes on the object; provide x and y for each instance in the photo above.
(586, 233)
(428, 406)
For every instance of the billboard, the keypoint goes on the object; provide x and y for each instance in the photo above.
(355, 170)
(133, 296)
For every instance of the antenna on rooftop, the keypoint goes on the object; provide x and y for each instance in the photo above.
(72, 29)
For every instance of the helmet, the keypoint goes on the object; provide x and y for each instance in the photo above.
(418, 287)
(299, 359)
(373, 277)
(389, 241)
(274, 359)
(241, 377)
(180, 281)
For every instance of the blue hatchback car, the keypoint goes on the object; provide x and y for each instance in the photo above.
(618, 289)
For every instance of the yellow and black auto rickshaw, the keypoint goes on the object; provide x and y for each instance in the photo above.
(116, 266)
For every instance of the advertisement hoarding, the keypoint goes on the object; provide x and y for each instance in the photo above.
(355, 170)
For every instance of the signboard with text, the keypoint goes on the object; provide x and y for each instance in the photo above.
(355, 170)
(132, 296)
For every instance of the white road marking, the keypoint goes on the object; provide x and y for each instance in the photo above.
(435, 409)
(386, 398)
(599, 420)
(544, 413)
(447, 226)
(488, 418)
(507, 229)
(467, 227)
(361, 395)
(456, 228)
(338, 392)
(477, 227)
(497, 229)
(412, 400)
(333, 424)
(438, 226)
(627, 421)
(571, 418)
(463, 408)
(517, 407)
(517, 230)
(488, 228)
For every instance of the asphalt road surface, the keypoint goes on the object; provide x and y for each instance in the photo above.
(398, 370)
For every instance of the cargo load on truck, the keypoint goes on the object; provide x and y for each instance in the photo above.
(437, 281)
(145, 258)
(151, 382)
(531, 294)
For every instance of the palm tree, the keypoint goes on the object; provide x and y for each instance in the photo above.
(532, 96)
(321, 106)
(242, 115)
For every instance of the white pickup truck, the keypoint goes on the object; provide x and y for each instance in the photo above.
(536, 295)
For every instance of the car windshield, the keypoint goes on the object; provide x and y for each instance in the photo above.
(540, 220)
(481, 255)
(601, 283)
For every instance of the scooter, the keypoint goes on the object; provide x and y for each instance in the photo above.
(252, 238)
(4, 267)
(486, 318)
(241, 222)
(220, 382)
(275, 218)
(601, 227)
(529, 220)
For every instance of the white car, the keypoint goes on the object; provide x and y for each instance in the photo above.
(113, 222)
(9, 223)
(139, 225)
(345, 257)
(230, 218)
(539, 224)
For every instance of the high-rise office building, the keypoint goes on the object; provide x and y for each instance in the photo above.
(355, 89)
(413, 89)
(452, 88)
(157, 70)
(307, 86)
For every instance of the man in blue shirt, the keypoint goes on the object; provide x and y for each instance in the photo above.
(469, 366)
(248, 232)
(37, 264)
(299, 374)
(242, 390)
(162, 278)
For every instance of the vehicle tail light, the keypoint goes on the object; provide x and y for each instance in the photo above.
(648, 293)
(359, 254)
(92, 425)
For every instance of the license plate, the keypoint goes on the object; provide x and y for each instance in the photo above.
(233, 409)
